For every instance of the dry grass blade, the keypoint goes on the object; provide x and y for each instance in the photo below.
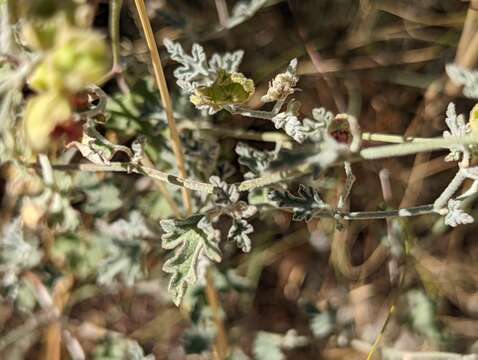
(165, 97)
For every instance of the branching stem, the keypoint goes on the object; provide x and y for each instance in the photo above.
(243, 186)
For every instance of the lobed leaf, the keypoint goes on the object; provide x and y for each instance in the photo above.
(191, 239)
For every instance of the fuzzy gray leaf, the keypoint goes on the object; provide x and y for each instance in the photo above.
(455, 215)
(125, 249)
(269, 346)
(225, 194)
(467, 78)
(283, 84)
(289, 121)
(96, 148)
(316, 129)
(457, 128)
(191, 239)
(257, 161)
(305, 205)
(239, 234)
(17, 254)
(244, 10)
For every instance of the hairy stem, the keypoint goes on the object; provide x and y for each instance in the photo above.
(244, 186)
(258, 114)
(377, 152)
(387, 138)
(380, 152)
(146, 161)
(452, 187)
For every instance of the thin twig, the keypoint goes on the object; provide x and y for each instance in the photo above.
(469, 29)
(114, 28)
(165, 98)
(114, 22)
(34, 322)
(393, 242)
(222, 12)
(73, 346)
(388, 138)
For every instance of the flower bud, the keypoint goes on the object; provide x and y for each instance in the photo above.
(283, 84)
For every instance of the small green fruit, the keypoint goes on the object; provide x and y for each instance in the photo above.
(43, 113)
(229, 88)
(79, 58)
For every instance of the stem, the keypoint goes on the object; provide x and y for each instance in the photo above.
(146, 161)
(221, 346)
(143, 170)
(258, 114)
(165, 98)
(452, 187)
(405, 212)
(245, 186)
(267, 136)
(471, 54)
(398, 139)
(469, 29)
(376, 152)
(34, 321)
(274, 177)
(379, 152)
(114, 21)
(222, 12)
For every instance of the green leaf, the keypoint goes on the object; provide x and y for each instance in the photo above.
(192, 240)
(201, 153)
(139, 111)
(197, 341)
(227, 89)
(211, 84)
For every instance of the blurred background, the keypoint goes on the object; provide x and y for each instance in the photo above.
(306, 290)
